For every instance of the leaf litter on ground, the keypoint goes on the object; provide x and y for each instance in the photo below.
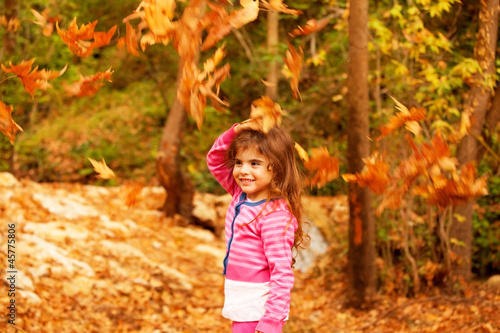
(87, 262)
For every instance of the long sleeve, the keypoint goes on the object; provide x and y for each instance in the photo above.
(277, 236)
(216, 163)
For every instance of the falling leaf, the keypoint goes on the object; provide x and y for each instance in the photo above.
(294, 61)
(279, 6)
(33, 79)
(102, 169)
(311, 26)
(78, 39)
(88, 85)
(323, 166)
(405, 116)
(196, 86)
(220, 23)
(132, 193)
(302, 153)
(375, 174)
(46, 22)
(265, 114)
(7, 125)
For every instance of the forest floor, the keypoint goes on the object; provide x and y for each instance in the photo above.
(86, 262)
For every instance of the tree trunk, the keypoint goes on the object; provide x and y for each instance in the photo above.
(361, 257)
(272, 47)
(9, 44)
(467, 151)
(179, 189)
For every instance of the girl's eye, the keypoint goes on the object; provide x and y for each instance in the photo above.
(255, 163)
(237, 163)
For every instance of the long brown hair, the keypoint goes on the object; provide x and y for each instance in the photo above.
(279, 148)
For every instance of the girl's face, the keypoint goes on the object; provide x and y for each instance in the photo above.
(252, 174)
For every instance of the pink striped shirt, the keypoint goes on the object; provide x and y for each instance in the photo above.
(257, 266)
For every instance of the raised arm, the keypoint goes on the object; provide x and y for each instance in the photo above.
(216, 163)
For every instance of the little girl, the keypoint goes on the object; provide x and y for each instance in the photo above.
(263, 223)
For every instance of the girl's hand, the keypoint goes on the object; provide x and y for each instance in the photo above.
(246, 125)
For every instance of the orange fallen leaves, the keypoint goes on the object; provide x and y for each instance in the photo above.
(78, 39)
(33, 79)
(88, 85)
(7, 125)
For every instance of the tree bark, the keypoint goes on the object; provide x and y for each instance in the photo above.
(361, 257)
(179, 189)
(467, 151)
(272, 47)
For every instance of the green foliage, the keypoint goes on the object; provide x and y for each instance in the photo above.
(486, 224)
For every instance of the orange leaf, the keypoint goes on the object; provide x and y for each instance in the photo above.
(311, 26)
(102, 169)
(279, 6)
(7, 125)
(302, 153)
(221, 22)
(46, 22)
(405, 116)
(324, 167)
(375, 174)
(196, 86)
(33, 79)
(78, 39)
(293, 61)
(265, 113)
(132, 39)
(88, 85)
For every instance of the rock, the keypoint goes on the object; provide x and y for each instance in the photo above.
(318, 246)
(69, 206)
(493, 283)
(207, 211)
(8, 180)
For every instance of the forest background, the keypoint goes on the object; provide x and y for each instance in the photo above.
(421, 52)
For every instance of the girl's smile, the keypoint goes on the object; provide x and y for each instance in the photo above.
(252, 174)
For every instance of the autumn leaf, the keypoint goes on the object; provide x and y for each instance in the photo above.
(130, 40)
(88, 85)
(311, 26)
(7, 125)
(33, 79)
(302, 153)
(78, 39)
(220, 23)
(102, 169)
(12, 24)
(265, 114)
(458, 190)
(132, 193)
(375, 174)
(196, 86)
(408, 117)
(46, 22)
(294, 61)
(323, 166)
(279, 6)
